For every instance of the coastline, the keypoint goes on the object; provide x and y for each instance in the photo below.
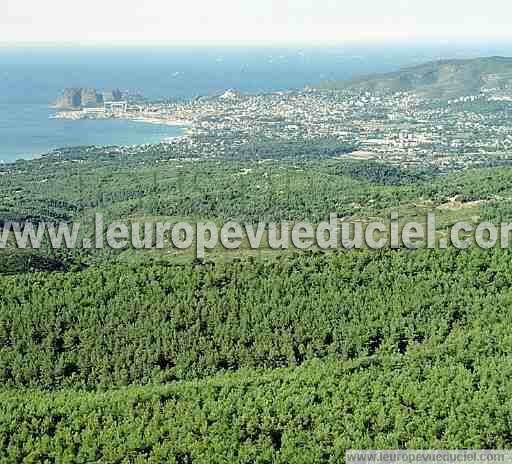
(30, 131)
(165, 122)
(76, 115)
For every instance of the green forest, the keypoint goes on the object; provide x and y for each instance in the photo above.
(131, 356)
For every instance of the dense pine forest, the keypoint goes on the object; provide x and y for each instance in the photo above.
(253, 356)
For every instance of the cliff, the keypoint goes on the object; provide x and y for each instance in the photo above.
(78, 98)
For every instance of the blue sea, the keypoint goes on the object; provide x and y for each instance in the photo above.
(32, 77)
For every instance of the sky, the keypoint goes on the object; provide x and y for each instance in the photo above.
(231, 21)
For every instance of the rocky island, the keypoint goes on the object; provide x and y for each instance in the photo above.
(79, 98)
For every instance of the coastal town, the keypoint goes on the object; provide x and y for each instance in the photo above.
(399, 128)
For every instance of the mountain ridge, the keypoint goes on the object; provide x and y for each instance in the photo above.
(444, 79)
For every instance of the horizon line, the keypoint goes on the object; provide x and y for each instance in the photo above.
(475, 41)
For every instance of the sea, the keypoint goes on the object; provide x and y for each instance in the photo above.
(31, 78)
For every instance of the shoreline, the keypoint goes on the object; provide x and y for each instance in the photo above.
(165, 122)
(164, 139)
(149, 119)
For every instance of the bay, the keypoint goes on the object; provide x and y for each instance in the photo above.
(31, 77)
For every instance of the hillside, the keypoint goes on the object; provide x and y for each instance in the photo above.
(440, 79)
(249, 362)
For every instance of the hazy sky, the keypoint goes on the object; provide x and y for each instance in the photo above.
(251, 20)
